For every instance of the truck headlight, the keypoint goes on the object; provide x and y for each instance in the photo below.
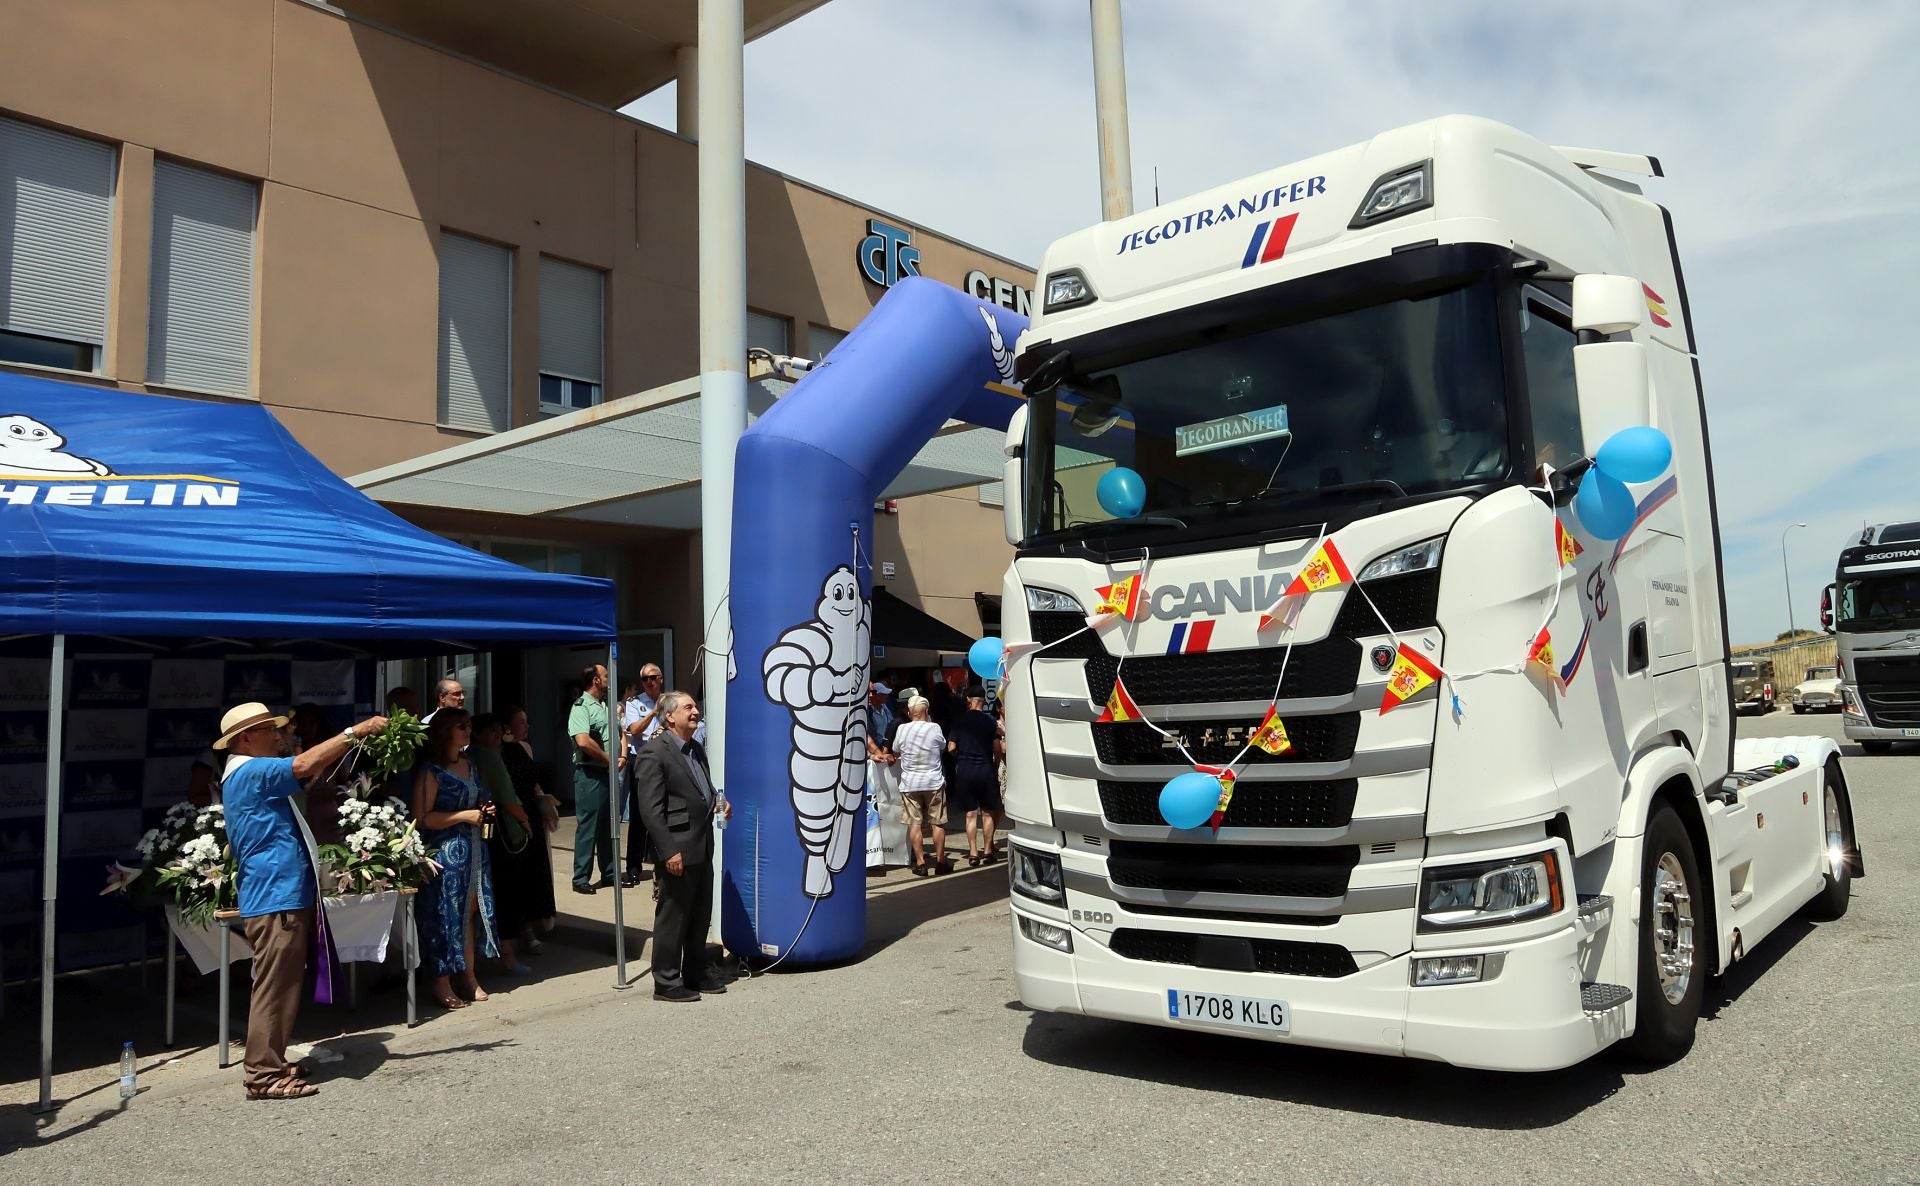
(1400, 192)
(1036, 875)
(1047, 934)
(1051, 601)
(1412, 558)
(1507, 890)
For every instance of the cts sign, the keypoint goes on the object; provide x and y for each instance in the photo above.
(887, 256)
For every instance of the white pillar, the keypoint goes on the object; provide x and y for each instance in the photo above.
(686, 91)
(723, 346)
(1110, 111)
(50, 869)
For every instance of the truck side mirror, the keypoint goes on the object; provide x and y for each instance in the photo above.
(1611, 376)
(1826, 609)
(1012, 481)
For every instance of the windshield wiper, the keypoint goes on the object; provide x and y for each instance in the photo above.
(1381, 485)
(1109, 526)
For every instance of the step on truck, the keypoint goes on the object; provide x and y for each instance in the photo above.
(1874, 608)
(1408, 349)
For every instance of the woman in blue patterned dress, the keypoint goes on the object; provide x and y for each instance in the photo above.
(450, 806)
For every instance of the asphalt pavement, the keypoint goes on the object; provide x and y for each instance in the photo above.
(918, 1063)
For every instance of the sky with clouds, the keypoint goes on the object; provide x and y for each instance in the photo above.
(1785, 130)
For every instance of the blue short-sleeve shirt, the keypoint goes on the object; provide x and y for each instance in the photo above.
(275, 871)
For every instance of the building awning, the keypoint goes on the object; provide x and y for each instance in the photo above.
(897, 624)
(632, 461)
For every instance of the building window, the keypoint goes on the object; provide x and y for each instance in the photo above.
(572, 313)
(56, 234)
(993, 494)
(821, 340)
(476, 331)
(769, 333)
(200, 306)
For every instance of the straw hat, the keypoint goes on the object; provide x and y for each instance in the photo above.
(243, 717)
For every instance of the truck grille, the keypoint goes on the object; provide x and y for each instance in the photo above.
(1890, 689)
(1232, 869)
(1327, 668)
(1410, 602)
(1315, 739)
(1052, 626)
(1229, 953)
(1326, 803)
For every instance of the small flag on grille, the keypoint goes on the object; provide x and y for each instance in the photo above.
(1118, 600)
(1411, 672)
(1120, 706)
(1271, 736)
(1325, 569)
(1226, 777)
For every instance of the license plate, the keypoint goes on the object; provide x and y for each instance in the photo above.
(1217, 1008)
(1910, 732)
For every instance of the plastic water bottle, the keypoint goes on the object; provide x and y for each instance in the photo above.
(127, 1070)
(719, 810)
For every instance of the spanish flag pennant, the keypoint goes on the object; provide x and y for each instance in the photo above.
(1120, 706)
(1411, 672)
(1540, 650)
(1564, 543)
(1226, 777)
(1118, 600)
(1325, 569)
(1271, 735)
(1013, 653)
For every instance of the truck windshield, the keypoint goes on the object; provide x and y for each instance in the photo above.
(1887, 602)
(1394, 399)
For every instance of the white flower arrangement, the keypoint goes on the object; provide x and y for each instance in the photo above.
(380, 849)
(188, 856)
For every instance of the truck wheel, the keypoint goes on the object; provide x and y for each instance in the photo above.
(1877, 747)
(1837, 837)
(1671, 980)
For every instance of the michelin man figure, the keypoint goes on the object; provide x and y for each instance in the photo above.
(28, 447)
(818, 670)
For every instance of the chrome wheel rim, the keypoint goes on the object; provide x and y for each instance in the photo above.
(1672, 928)
(1836, 839)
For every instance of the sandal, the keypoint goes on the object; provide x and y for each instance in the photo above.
(287, 1087)
(450, 1001)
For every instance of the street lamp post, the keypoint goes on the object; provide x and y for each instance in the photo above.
(1787, 575)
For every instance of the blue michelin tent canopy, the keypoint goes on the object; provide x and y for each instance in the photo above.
(142, 515)
(138, 516)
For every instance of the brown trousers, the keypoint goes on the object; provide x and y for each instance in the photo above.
(279, 943)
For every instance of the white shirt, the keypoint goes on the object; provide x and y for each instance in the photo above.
(919, 745)
(632, 710)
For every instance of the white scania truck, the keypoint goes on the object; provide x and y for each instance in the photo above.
(1409, 347)
(1874, 606)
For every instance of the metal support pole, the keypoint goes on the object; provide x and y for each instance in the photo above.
(617, 802)
(410, 942)
(173, 979)
(1110, 110)
(226, 987)
(723, 350)
(50, 865)
(1787, 575)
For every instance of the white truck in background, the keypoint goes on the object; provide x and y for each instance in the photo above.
(1874, 606)
(1389, 346)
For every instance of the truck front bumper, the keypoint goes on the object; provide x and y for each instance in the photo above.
(1528, 1018)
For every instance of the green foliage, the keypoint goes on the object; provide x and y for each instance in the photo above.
(393, 749)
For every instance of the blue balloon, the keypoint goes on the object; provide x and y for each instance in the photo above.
(984, 657)
(1634, 454)
(1122, 492)
(1604, 505)
(1188, 800)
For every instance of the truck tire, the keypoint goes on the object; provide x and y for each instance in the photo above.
(1877, 747)
(1836, 815)
(1671, 979)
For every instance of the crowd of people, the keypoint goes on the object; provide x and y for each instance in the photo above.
(948, 755)
(477, 796)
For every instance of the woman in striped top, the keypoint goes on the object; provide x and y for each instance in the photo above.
(918, 745)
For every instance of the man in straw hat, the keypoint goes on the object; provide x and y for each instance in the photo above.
(276, 879)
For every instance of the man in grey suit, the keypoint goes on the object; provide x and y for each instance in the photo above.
(677, 805)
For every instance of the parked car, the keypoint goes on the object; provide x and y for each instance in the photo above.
(1819, 691)
(1752, 685)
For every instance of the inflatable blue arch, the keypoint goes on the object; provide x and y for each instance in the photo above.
(806, 477)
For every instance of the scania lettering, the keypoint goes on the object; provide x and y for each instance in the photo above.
(1470, 845)
(1874, 606)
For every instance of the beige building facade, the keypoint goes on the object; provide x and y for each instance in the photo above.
(402, 248)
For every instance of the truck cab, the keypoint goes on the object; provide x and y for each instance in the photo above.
(1409, 349)
(1874, 608)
